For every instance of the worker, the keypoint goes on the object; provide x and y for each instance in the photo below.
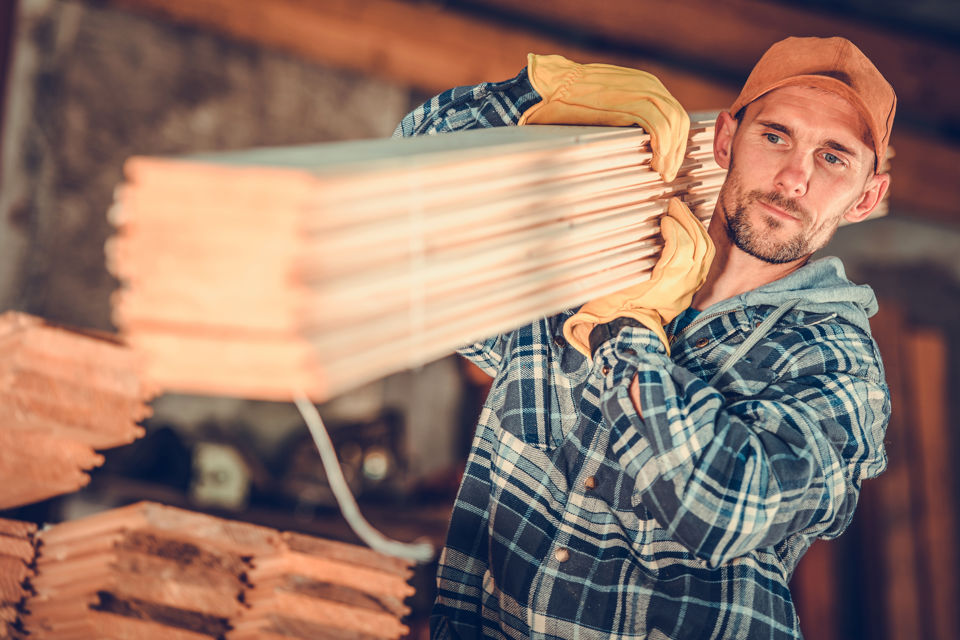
(655, 463)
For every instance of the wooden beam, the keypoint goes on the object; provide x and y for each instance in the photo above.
(732, 35)
(891, 498)
(814, 586)
(62, 394)
(927, 358)
(925, 177)
(424, 46)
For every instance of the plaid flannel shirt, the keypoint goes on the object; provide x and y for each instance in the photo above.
(578, 518)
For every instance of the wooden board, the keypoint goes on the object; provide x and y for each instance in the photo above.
(149, 571)
(63, 394)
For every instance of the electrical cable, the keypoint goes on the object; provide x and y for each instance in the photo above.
(417, 551)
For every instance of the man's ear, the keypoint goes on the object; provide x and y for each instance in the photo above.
(723, 139)
(876, 187)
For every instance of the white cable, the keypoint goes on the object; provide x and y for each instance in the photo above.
(419, 551)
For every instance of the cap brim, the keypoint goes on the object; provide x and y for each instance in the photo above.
(827, 84)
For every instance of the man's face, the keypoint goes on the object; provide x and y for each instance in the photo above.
(798, 163)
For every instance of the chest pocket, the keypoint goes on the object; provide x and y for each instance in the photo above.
(534, 396)
(524, 406)
(526, 507)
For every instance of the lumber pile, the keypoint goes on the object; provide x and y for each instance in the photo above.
(17, 552)
(312, 586)
(63, 394)
(320, 268)
(151, 571)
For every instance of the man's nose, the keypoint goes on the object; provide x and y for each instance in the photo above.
(794, 175)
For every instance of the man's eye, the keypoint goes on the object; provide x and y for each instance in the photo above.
(773, 138)
(832, 159)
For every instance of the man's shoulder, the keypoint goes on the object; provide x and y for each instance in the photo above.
(814, 342)
(820, 289)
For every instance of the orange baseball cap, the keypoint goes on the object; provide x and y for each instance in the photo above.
(832, 64)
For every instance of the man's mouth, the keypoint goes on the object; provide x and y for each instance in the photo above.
(777, 211)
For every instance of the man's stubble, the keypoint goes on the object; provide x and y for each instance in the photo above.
(756, 235)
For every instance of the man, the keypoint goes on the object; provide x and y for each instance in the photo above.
(635, 480)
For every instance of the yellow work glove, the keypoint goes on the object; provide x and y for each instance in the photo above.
(678, 274)
(603, 94)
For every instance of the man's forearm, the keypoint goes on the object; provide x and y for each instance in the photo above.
(728, 477)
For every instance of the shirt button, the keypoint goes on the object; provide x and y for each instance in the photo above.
(590, 483)
(561, 554)
(629, 352)
(605, 370)
(559, 341)
(702, 342)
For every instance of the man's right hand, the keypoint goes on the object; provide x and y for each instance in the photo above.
(678, 274)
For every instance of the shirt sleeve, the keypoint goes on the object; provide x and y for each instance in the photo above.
(490, 104)
(780, 447)
(487, 354)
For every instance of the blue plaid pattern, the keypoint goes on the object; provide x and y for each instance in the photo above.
(491, 104)
(578, 518)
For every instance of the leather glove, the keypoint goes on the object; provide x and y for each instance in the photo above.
(604, 94)
(678, 274)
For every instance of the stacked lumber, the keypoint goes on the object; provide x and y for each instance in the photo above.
(151, 571)
(323, 267)
(313, 586)
(63, 394)
(17, 551)
(320, 268)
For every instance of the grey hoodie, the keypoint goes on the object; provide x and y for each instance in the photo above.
(820, 286)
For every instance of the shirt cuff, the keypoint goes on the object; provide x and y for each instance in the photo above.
(621, 355)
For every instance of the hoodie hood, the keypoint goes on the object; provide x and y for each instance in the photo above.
(821, 286)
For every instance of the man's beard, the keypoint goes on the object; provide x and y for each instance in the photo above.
(754, 237)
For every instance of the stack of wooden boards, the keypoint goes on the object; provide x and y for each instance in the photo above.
(63, 394)
(149, 571)
(320, 268)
